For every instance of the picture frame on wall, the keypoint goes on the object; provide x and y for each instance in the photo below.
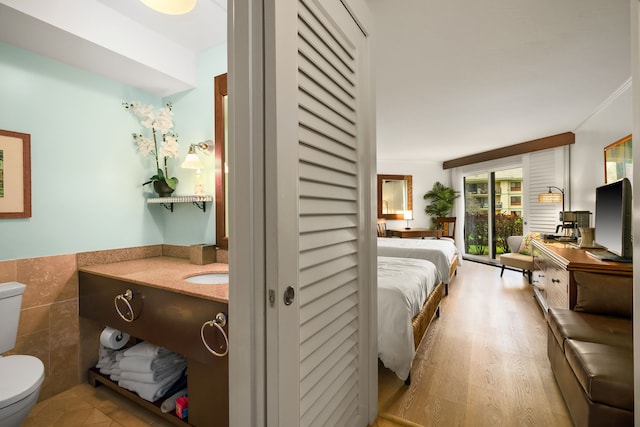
(618, 160)
(15, 174)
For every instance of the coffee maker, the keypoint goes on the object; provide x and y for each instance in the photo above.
(571, 222)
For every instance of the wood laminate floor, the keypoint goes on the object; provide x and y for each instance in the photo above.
(483, 362)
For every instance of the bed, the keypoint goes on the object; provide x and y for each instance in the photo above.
(442, 252)
(409, 295)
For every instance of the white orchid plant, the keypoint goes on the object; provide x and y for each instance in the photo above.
(161, 122)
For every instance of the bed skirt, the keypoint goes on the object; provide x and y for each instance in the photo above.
(422, 320)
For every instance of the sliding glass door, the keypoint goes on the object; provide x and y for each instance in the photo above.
(476, 219)
(508, 212)
(493, 211)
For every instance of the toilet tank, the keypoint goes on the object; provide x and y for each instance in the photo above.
(10, 300)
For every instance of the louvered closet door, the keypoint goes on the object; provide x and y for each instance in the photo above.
(323, 213)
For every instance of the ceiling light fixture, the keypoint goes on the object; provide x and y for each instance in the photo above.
(170, 7)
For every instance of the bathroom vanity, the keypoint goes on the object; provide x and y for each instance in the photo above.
(151, 300)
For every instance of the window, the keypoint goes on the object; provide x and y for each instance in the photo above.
(515, 186)
(516, 200)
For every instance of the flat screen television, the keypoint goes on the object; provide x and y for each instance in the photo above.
(613, 221)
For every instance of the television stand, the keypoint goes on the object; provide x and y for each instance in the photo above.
(604, 255)
(554, 265)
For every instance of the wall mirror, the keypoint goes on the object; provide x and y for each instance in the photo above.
(222, 170)
(394, 196)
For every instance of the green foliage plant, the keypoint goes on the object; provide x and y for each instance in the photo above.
(442, 198)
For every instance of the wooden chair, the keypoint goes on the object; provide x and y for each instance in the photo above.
(448, 226)
(382, 229)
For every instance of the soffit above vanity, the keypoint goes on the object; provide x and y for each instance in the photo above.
(99, 36)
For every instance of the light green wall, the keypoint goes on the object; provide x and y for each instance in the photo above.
(194, 122)
(86, 174)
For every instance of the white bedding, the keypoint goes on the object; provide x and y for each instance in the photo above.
(438, 251)
(403, 286)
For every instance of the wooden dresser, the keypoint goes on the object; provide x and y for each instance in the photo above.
(554, 264)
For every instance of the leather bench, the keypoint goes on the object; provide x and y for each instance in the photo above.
(590, 349)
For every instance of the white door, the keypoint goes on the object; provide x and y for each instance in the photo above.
(303, 267)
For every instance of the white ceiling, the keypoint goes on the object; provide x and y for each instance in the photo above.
(460, 77)
(201, 29)
(453, 77)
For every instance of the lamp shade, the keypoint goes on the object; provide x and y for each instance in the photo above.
(170, 7)
(408, 214)
(550, 198)
(192, 161)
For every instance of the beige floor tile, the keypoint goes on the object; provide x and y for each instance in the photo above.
(74, 418)
(97, 418)
(85, 405)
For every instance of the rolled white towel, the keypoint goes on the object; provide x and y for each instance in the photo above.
(169, 404)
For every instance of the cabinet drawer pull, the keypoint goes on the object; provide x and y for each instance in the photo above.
(218, 322)
(126, 297)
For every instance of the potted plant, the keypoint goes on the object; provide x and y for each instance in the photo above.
(160, 122)
(442, 198)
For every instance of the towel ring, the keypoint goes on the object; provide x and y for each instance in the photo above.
(126, 297)
(218, 322)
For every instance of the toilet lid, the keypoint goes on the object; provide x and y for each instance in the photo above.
(20, 376)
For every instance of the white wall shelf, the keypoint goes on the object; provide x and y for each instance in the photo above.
(167, 202)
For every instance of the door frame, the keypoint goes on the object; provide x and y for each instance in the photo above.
(248, 300)
(247, 354)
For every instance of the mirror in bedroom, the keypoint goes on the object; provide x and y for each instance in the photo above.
(394, 196)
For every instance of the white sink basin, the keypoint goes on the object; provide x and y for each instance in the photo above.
(209, 279)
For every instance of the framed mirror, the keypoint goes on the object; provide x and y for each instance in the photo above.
(222, 170)
(394, 196)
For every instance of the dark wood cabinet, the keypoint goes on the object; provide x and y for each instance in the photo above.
(174, 321)
(554, 264)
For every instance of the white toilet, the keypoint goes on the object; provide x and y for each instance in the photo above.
(20, 376)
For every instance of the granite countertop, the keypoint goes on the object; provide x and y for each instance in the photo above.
(165, 273)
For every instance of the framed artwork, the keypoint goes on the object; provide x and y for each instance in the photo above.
(618, 160)
(15, 174)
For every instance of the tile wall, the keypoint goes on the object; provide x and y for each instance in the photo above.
(48, 327)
